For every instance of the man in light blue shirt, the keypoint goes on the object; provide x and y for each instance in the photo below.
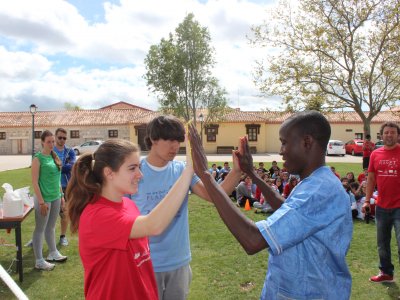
(309, 234)
(170, 251)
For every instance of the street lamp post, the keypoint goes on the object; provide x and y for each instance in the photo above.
(201, 119)
(33, 109)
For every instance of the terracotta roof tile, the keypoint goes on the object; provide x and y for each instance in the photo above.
(123, 105)
(140, 116)
(77, 117)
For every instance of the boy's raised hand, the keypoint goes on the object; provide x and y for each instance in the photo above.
(189, 161)
(199, 158)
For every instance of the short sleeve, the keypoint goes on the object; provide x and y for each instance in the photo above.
(110, 229)
(195, 180)
(309, 209)
(287, 227)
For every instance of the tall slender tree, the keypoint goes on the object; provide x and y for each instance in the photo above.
(332, 54)
(178, 70)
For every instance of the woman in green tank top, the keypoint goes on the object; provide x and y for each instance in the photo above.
(46, 172)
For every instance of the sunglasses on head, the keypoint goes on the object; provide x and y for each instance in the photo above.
(62, 138)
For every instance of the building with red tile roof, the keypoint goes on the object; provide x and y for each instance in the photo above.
(127, 121)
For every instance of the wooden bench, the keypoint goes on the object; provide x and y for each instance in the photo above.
(225, 149)
(228, 149)
(182, 150)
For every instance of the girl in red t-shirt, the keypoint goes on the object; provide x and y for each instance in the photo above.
(289, 187)
(113, 241)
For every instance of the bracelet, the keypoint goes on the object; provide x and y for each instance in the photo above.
(369, 202)
(42, 203)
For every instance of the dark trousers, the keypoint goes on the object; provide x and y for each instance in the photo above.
(365, 162)
(386, 219)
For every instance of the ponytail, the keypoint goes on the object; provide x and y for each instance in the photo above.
(57, 160)
(83, 188)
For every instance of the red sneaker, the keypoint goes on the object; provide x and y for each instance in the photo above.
(381, 277)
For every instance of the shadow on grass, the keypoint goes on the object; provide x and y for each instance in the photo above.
(8, 261)
(392, 290)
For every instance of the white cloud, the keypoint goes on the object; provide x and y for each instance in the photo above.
(45, 34)
(22, 65)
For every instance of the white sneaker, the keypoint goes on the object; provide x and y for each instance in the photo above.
(63, 241)
(44, 265)
(56, 256)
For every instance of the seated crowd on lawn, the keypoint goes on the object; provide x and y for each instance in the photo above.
(283, 183)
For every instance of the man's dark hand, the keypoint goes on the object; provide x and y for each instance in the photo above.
(244, 156)
(199, 158)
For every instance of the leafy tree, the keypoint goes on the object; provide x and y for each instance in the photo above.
(178, 70)
(70, 106)
(332, 55)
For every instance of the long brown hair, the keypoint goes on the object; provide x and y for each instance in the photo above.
(56, 159)
(87, 175)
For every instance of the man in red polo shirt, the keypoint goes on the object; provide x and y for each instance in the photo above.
(384, 170)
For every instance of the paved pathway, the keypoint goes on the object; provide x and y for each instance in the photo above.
(10, 162)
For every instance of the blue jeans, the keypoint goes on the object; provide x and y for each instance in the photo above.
(385, 220)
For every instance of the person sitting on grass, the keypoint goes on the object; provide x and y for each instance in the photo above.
(352, 199)
(363, 175)
(309, 234)
(276, 174)
(278, 184)
(244, 192)
(214, 171)
(333, 169)
(113, 242)
(350, 177)
(261, 167)
(355, 189)
(290, 186)
(274, 167)
(285, 179)
(263, 205)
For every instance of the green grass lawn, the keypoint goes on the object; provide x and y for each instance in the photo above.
(221, 268)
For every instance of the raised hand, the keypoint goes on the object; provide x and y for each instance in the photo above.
(244, 156)
(235, 159)
(199, 158)
(189, 162)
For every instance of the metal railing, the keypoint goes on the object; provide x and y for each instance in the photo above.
(12, 285)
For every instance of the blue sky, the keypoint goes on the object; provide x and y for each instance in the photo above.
(91, 53)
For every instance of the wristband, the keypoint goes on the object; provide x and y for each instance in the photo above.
(42, 203)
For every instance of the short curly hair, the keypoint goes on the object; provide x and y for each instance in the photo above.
(389, 124)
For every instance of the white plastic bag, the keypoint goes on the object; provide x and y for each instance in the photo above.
(13, 205)
(24, 194)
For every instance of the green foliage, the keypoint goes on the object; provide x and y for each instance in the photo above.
(178, 70)
(221, 268)
(332, 55)
(70, 106)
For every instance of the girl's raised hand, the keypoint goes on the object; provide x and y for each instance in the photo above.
(189, 161)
